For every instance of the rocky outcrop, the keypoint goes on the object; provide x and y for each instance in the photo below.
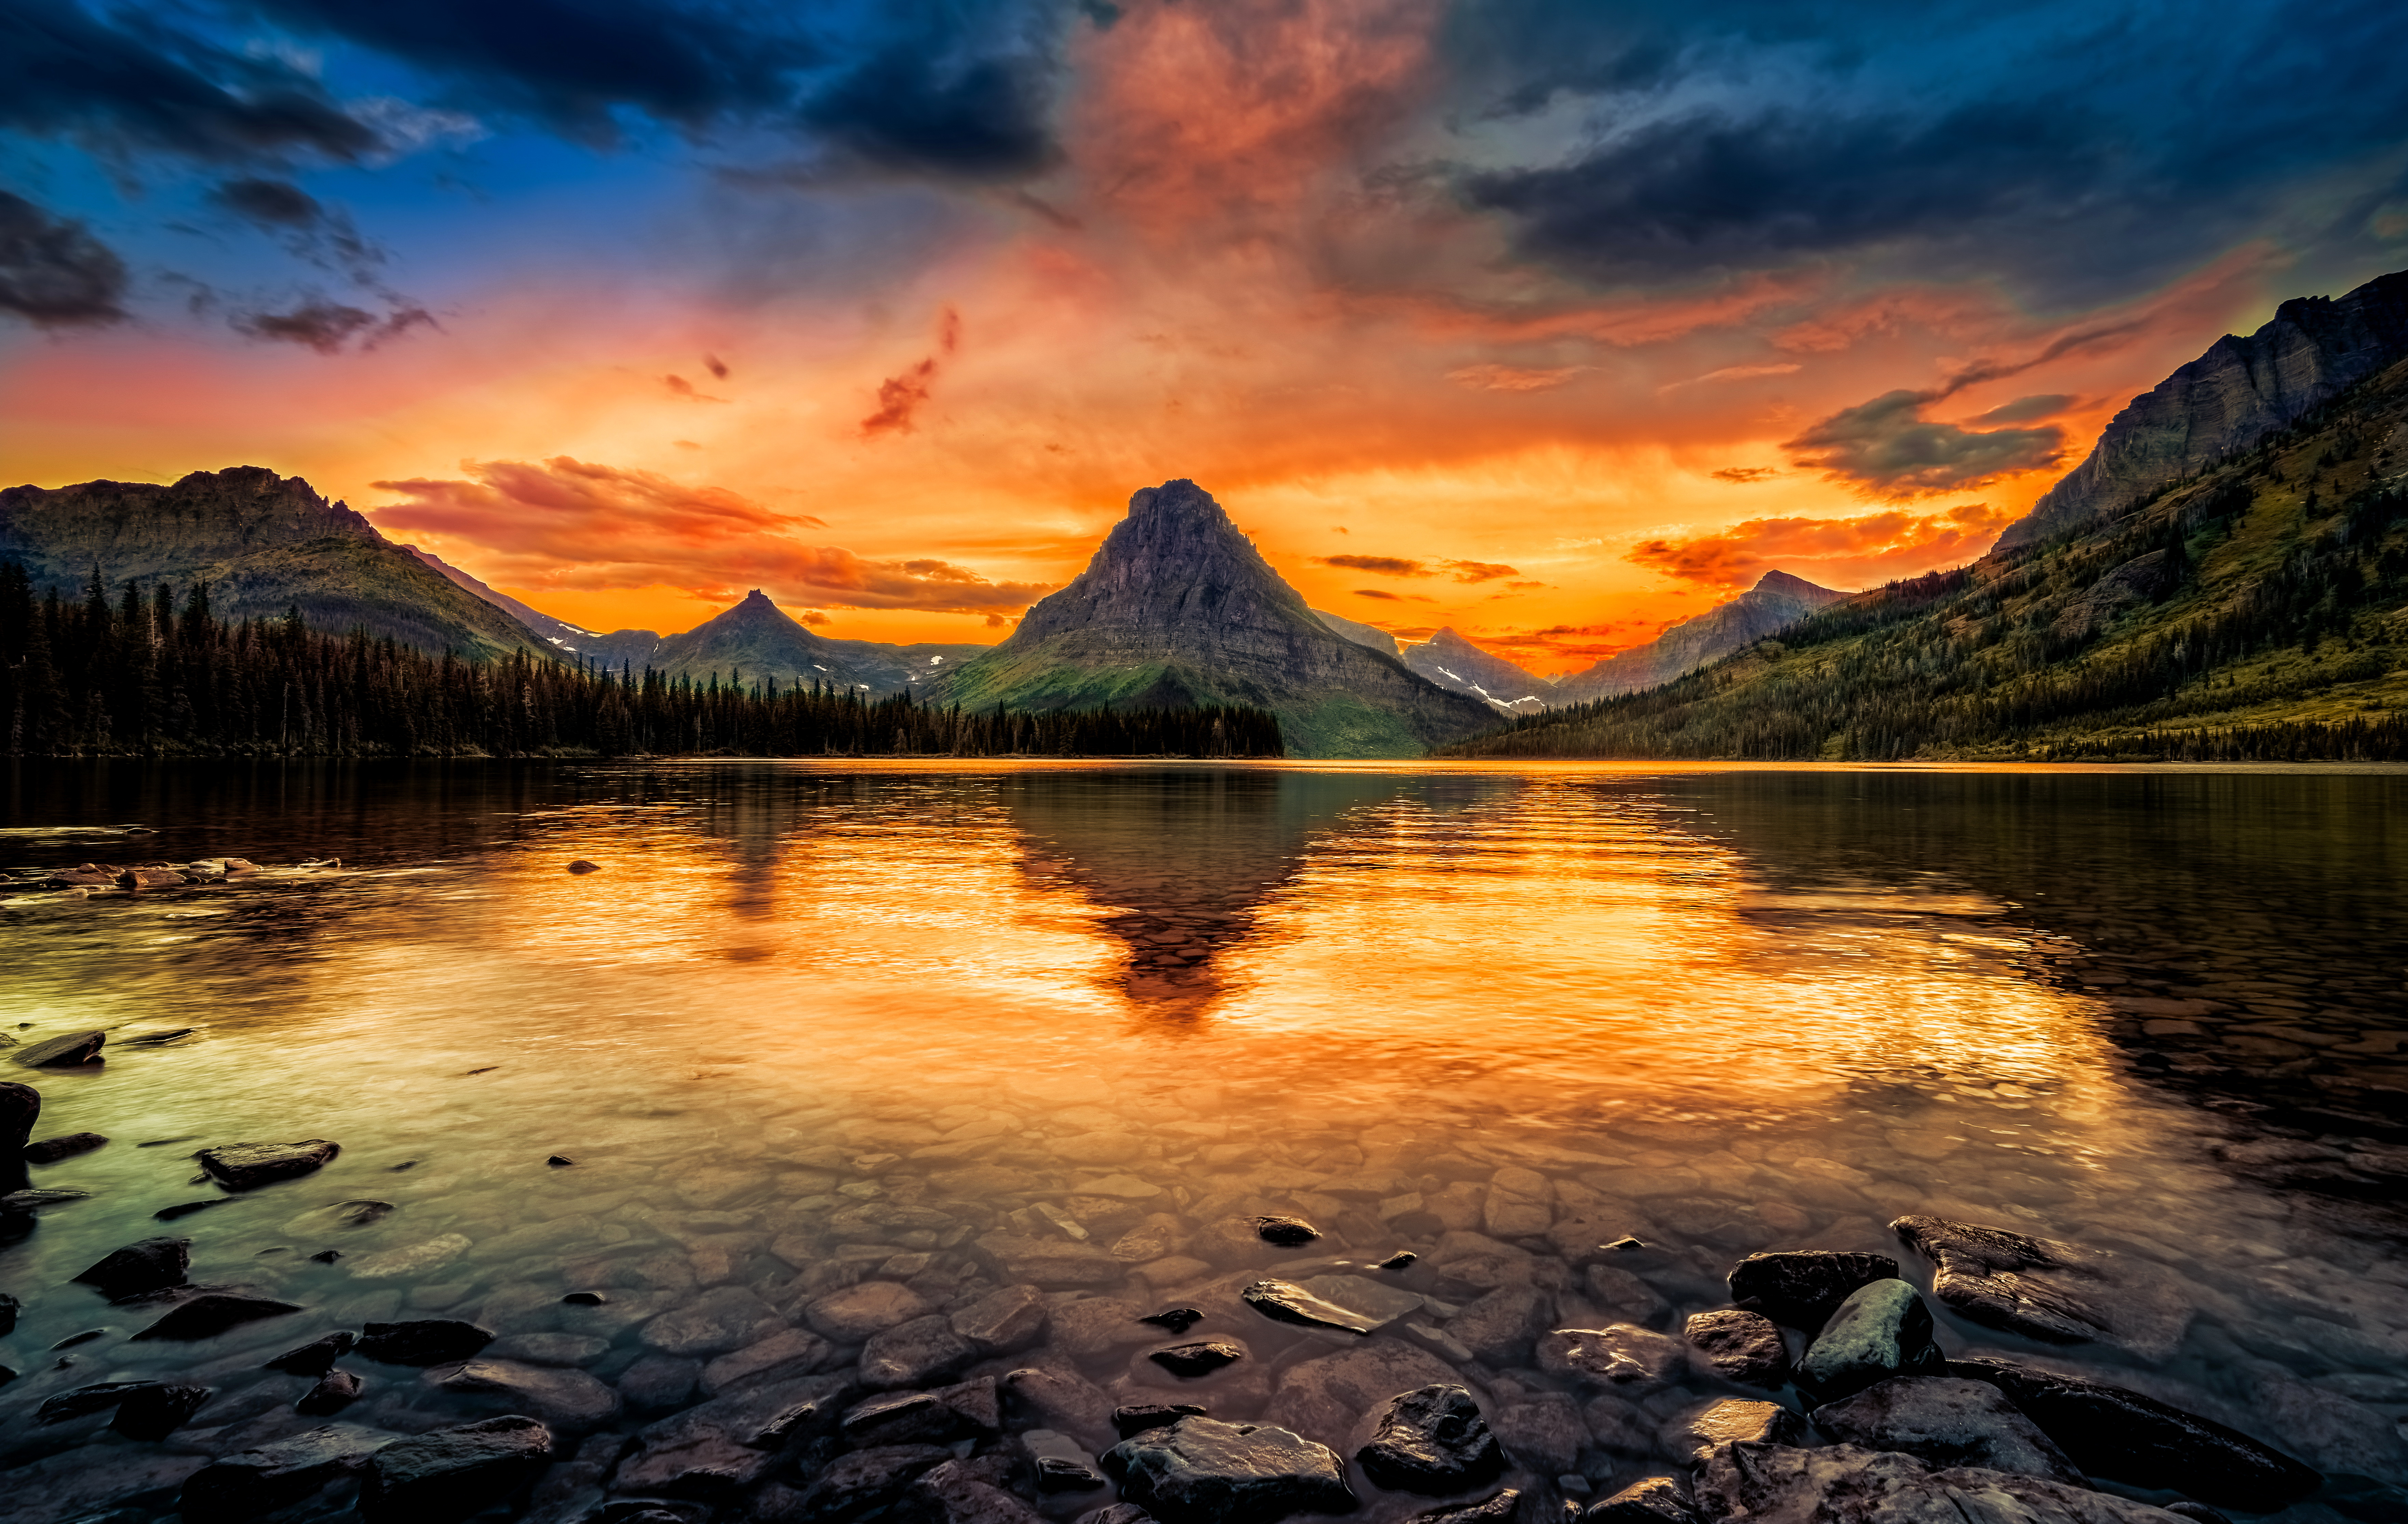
(1199, 1471)
(1776, 602)
(1179, 608)
(2048, 1289)
(1842, 1483)
(2226, 400)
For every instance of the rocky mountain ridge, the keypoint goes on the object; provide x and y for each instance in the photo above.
(2228, 399)
(1454, 662)
(264, 543)
(1178, 608)
(762, 641)
(1776, 602)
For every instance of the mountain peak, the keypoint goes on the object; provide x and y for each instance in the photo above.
(1788, 586)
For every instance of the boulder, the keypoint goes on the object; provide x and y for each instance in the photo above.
(1432, 1441)
(1283, 1301)
(315, 1357)
(153, 1265)
(914, 1354)
(1946, 1421)
(858, 1484)
(2048, 1289)
(1743, 1346)
(211, 1314)
(62, 1052)
(965, 1492)
(247, 1166)
(854, 1313)
(1880, 1330)
(65, 1146)
(249, 1483)
(431, 1341)
(563, 1399)
(904, 1418)
(1202, 1358)
(83, 1401)
(2123, 1435)
(1005, 1321)
(1691, 1435)
(1200, 1470)
(1624, 1357)
(454, 1472)
(158, 1410)
(1285, 1232)
(20, 1106)
(1775, 1484)
(1650, 1500)
(1329, 1395)
(1803, 1288)
(334, 1392)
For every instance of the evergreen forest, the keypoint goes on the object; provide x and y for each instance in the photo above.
(147, 675)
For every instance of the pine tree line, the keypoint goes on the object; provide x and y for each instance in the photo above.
(144, 675)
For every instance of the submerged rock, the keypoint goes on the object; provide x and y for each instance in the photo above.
(315, 1357)
(1432, 1441)
(212, 1312)
(430, 1341)
(1947, 1422)
(914, 1354)
(1802, 1288)
(60, 1052)
(2048, 1289)
(565, 1398)
(1202, 1358)
(246, 1166)
(334, 1392)
(1629, 1358)
(1775, 1484)
(856, 1312)
(1138, 1418)
(1178, 1319)
(452, 1472)
(1200, 1470)
(1285, 1232)
(65, 1146)
(1054, 1265)
(1004, 1321)
(855, 1484)
(1743, 1346)
(2128, 1437)
(158, 1410)
(153, 1265)
(1880, 1330)
(83, 1401)
(249, 1483)
(1283, 1302)
(713, 1452)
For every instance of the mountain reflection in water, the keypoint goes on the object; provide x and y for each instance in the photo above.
(1720, 1009)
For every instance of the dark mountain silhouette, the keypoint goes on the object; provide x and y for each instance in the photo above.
(2225, 401)
(1178, 608)
(264, 543)
(761, 642)
(1777, 600)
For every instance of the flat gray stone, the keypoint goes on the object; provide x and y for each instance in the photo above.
(1004, 1321)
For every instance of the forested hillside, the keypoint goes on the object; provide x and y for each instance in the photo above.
(148, 675)
(2253, 610)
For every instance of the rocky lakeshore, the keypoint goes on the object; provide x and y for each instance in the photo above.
(986, 1316)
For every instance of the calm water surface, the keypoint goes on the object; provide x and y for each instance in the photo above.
(816, 1024)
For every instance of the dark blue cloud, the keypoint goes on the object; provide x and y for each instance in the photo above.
(912, 110)
(2075, 151)
(53, 273)
(136, 86)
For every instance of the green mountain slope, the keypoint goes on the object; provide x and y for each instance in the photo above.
(1178, 608)
(2257, 609)
(265, 543)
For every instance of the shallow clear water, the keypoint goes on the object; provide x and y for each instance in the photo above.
(815, 1024)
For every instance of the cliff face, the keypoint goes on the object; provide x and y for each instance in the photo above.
(1455, 663)
(1178, 608)
(1777, 600)
(2228, 399)
(264, 543)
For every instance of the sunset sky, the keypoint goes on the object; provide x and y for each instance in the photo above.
(1552, 320)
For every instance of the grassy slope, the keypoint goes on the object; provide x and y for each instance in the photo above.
(2291, 613)
(1338, 725)
(340, 584)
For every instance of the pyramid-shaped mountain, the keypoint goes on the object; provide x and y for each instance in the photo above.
(1776, 602)
(1177, 608)
(1451, 662)
(756, 642)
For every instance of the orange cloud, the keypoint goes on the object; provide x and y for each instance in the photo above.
(1845, 552)
(1384, 565)
(569, 524)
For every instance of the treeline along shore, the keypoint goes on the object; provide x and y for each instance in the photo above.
(149, 675)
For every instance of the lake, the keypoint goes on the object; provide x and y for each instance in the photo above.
(831, 1047)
